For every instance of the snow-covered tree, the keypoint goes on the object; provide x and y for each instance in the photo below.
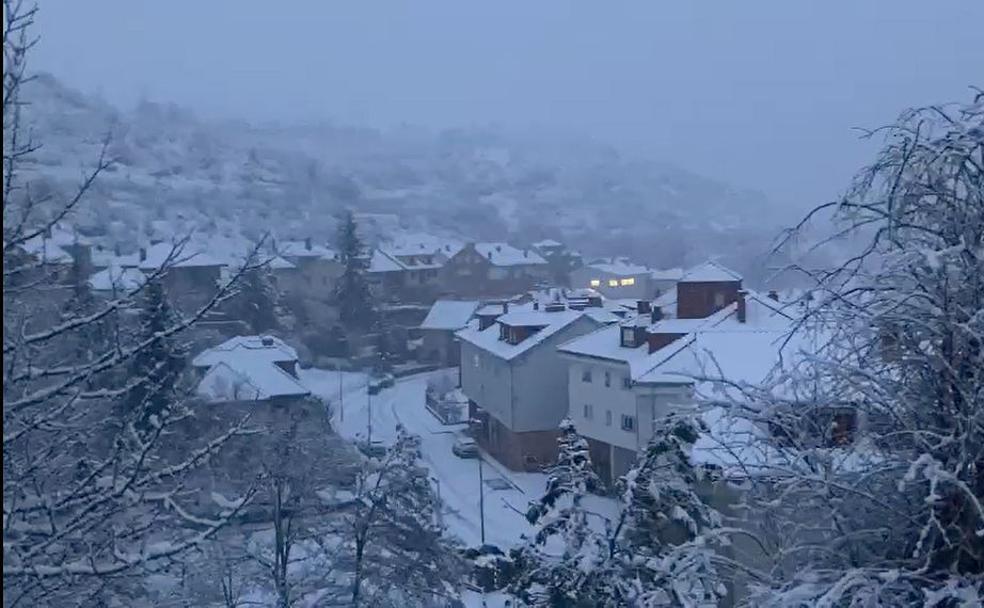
(355, 303)
(666, 541)
(160, 364)
(399, 554)
(89, 504)
(257, 302)
(895, 516)
(562, 563)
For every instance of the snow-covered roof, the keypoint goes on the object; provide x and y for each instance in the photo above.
(46, 251)
(504, 254)
(669, 274)
(709, 272)
(177, 256)
(423, 244)
(380, 261)
(490, 309)
(118, 279)
(265, 348)
(248, 379)
(550, 322)
(606, 343)
(619, 266)
(277, 263)
(449, 314)
(547, 243)
(299, 249)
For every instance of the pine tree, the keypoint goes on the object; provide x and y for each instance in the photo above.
(574, 578)
(258, 301)
(91, 340)
(667, 532)
(160, 364)
(354, 299)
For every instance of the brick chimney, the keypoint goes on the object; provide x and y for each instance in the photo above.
(774, 295)
(659, 340)
(742, 312)
(644, 307)
(143, 254)
(656, 314)
(307, 243)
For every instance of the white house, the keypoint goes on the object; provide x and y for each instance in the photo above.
(249, 368)
(614, 394)
(516, 381)
(619, 278)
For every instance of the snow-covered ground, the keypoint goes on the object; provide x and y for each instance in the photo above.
(507, 493)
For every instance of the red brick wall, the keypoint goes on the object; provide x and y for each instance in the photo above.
(658, 341)
(519, 451)
(696, 300)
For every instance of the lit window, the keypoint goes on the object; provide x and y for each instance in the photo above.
(613, 282)
(608, 417)
(595, 283)
(627, 282)
(628, 423)
(588, 411)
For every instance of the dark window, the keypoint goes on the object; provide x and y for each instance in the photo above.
(608, 379)
(628, 423)
(586, 375)
(626, 382)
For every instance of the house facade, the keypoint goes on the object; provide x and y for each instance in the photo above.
(516, 381)
(493, 269)
(444, 319)
(616, 278)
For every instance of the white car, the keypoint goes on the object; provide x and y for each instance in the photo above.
(465, 447)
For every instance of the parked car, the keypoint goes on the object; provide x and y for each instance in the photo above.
(465, 447)
(374, 450)
(378, 383)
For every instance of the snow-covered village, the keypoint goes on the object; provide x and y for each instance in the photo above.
(303, 358)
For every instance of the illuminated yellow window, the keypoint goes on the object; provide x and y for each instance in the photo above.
(595, 283)
(613, 282)
(628, 281)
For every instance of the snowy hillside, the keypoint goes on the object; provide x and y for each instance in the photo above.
(176, 172)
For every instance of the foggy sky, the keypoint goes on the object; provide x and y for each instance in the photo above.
(763, 94)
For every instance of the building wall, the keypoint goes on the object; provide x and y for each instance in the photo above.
(614, 398)
(487, 380)
(653, 404)
(529, 451)
(700, 300)
(541, 380)
(468, 273)
(641, 290)
(439, 345)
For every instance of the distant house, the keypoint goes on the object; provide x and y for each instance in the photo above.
(316, 267)
(386, 275)
(438, 330)
(422, 257)
(619, 378)
(491, 269)
(190, 275)
(616, 278)
(249, 368)
(515, 380)
(116, 281)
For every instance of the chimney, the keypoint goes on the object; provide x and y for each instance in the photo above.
(594, 301)
(143, 254)
(742, 306)
(643, 307)
(498, 248)
(536, 305)
(774, 295)
(116, 250)
(490, 254)
(307, 243)
(526, 253)
(505, 307)
(656, 315)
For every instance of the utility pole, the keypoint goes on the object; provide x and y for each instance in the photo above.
(369, 421)
(481, 496)
(341, 396)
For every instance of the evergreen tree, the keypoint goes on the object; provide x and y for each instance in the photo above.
(258, 301)
(575, 577)
(92, 338)
(354, 299)
(666, 536)
(159, 366)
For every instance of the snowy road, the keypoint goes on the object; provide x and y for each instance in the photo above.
(506, 493)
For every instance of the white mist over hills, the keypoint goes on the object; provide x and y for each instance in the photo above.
(175, 172)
